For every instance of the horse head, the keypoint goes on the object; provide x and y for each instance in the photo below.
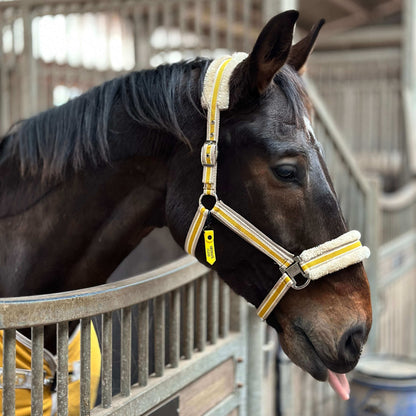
(271, 170)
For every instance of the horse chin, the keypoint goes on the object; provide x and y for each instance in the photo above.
(305, 354)
(302, 353)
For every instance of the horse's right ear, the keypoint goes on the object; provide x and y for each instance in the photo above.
(269, 54)
(300, 52)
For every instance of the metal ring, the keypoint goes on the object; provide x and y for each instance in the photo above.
(202, 195)
(294, 286)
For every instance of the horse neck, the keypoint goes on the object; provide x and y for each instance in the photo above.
(77, 230)
(74, 233)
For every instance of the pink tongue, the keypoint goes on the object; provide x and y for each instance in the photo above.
(340, 384)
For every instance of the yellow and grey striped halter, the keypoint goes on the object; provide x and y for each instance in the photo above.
(311, 264)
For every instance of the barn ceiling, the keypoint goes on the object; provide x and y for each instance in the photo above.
(344, 15)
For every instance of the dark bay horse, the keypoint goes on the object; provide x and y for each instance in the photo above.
(82, 184)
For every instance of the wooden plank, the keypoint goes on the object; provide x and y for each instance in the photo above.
(209, 390)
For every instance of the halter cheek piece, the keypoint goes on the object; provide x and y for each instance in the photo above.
(297, 271)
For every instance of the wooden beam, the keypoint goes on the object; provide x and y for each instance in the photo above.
(349, 5)
(365, 37)
(361, 17)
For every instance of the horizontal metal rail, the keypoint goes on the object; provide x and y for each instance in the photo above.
(27, 311)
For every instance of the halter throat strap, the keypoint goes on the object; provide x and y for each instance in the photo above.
(296, 271)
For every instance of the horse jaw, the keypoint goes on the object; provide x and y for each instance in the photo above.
(326, 335)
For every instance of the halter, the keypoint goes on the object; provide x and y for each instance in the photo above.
(297, 271)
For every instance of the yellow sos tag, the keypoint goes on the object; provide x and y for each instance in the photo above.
(209, 246)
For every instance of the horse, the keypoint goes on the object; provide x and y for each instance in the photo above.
(82, 184)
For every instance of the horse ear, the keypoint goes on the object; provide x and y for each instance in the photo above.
(300, 52)
(269, 54)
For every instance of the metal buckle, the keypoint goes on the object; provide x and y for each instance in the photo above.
(209, 154)
(294, 271)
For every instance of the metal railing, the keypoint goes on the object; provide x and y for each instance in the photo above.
(192, 312)
(398, 211)
(364, 92)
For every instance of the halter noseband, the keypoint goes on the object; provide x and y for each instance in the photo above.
(311, 264)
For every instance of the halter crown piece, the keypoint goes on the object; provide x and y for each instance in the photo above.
(312, 263)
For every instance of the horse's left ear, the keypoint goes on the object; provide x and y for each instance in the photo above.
(300, 52)
(269, 54)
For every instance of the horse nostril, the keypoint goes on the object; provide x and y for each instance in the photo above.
(352, 343)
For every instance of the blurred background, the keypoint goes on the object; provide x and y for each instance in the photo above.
(362, 81)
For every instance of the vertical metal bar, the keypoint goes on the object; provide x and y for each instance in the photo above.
(201, 313)
(182, 24)
(4, 84)
(174, 328)
(197, 26)
(188, 321)
(26, 65)
(224, 309)
(373, 241)
(213, 307)
(140, 44)
(62, 371)
(255, 338)
(159, 319)
(213, 25)
(125, 381)
(235, 312)
(230, 18)
(167, 22)
(85, 401)
(152, 9)
(246, 23)
(37, 371)
(9, 371)
(107, 359)
(143, 344)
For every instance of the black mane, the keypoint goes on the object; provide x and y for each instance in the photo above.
(76, 133)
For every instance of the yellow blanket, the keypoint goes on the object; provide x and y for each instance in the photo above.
(23, 358)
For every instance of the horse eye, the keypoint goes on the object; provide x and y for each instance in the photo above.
(285, 172)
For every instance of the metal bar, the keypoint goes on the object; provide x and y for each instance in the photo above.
(107, 359)
(201, 313)
(62, 371)
(197, 26)
(246, 23)
(143, 344)
(159, 347)
(9, 371)
(188, 324)
(230, 18)
(85, 399)
(29, 311)
(255, 364)
(125, 381)
(213, 25)
(213, 306)
(174, 328)
(224, 327)
(182, 25)
(4, 86)
(235, 312)
(140, 36)
(151, 25)
(37, 371)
